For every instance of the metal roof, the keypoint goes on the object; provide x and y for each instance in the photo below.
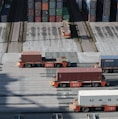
(75, 70)
(97, 92)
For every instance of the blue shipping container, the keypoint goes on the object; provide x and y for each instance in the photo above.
(109, 61)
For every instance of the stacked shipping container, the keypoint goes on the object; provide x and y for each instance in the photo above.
(52, 10)
(59, 9)
(116, 10)
(89, 10)
(30, 17)
(5, 10)
(106, 10)
(45, 10)
(37, 11)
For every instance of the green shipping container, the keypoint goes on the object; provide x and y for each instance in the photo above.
(44, 19)
(66, 15)
(52, 12)
(59, 12)
(52, 5)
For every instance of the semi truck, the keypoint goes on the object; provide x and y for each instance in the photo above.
(95, 100)
(108, 63)
(35, 59)
(78, 77)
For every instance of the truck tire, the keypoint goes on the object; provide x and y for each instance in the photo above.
(105, 70)
(85, 109)
(58, 65)
(95, 84)
(28, 65)
(63, 85)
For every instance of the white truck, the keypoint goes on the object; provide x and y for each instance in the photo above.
(91, 100)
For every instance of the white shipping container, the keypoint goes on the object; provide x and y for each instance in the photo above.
(97, 97)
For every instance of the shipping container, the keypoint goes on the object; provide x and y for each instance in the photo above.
(51, 18)
(65, 13)
(31, 57)
(105, 100)
(77, 77)
(30, 18)
(37, 12)
(59, 12)
(58, 18)
(59, 5)
(51, 12)
(37, 19)
(109, 63)
(5, 12)
(38, 5)
(45, 6)
(79, 74)
(52, 5)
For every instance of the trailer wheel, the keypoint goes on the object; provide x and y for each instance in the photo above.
(95, 84)
(85, 109)
(105, 70)
(63, 85)
(58, 65)
(28, 65)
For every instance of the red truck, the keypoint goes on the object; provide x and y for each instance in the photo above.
(35, 59)
(78, 77)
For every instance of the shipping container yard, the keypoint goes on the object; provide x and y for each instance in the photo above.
(57, 58)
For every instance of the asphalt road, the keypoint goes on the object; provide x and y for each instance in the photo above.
(113, 115)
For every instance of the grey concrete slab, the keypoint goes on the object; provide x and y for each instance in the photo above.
(46, 37)
(106, 35)
(24, 88)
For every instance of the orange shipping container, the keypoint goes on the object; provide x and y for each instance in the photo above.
(45, 6)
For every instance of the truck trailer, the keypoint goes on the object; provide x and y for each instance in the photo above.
(35, 59)
(108, 63)
(95, 100)
(78, 77)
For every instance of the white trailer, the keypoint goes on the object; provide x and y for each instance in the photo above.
(88, 100)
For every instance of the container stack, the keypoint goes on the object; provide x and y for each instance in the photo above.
(106, 10)
(5, 10)
(113, 11)
(52, 10)
(92, 11)
(117, 12)
(66, 15)
(30, 17)
(79, 3)
(45, 9)
(89, 10)
(59, 10)
(1, 4)
(37, 11)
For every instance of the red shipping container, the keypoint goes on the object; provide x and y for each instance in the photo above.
(37, 19)
(91, 18)
(51, 18)
(31, 57)
(58, 18)
(45, 6)
(79, 74)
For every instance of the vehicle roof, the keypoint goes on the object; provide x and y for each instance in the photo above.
(109, 56)
(71, 70)
(31, 53)
(97, 92)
